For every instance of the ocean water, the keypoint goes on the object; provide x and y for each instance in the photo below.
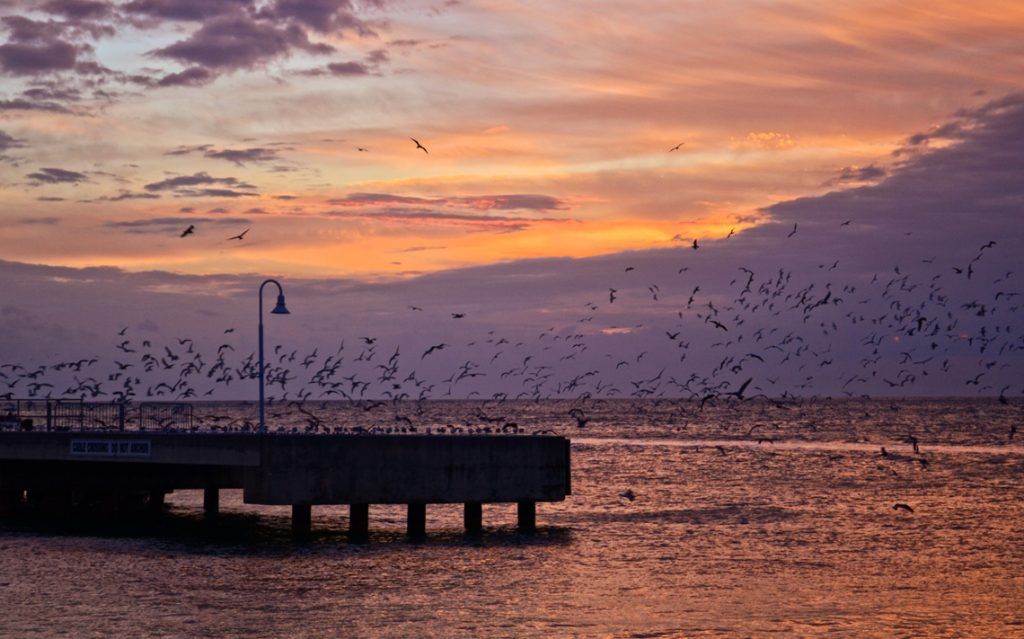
(792, 536)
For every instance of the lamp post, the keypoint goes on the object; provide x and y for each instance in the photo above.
(280, 309)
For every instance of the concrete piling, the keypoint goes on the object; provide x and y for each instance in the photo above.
(302, 519)
(527, 516)
(416, 524)
(358, 521)
(156, 501)
(211, 502)
(473, 517)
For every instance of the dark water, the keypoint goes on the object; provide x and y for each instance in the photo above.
(725, 537)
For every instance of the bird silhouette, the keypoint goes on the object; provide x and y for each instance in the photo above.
(419, 146)
(189, 231)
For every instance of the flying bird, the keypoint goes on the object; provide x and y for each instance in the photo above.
(695, 247)
(793, 232)
(904, 507)
(676, 147)
(419, 146)
(189, 231)
(435, 347)
(240, 236)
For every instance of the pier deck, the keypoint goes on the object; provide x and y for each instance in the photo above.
(300, 470)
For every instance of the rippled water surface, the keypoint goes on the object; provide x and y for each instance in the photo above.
(793, 536)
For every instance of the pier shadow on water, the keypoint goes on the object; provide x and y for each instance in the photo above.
(179, 531)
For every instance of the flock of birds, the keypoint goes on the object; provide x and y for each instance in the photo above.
(764, 328)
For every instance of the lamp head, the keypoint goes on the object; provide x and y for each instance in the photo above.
(280, 309)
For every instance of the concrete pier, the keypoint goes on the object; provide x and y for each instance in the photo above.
(297, 470)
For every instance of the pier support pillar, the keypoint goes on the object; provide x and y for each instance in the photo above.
(527, 511)
(302, 519)
(358, 521)
(156, 501)
(416, 525)
(211, 502)
(473, 517)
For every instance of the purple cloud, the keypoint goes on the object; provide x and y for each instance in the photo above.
(240, 156)
(39, 221)
(79, 9)
(322, 16)
(190, 77)
(8, 142)
(185, 181)
(186, 149)
(853, 174)
(57, 176)
(418, 215)
(234, 42)
(22, 58)
(21, 104)
(214, 193)
(348, 68)
(185, 10)
(36, 47)
(129, 195)
(507, 202)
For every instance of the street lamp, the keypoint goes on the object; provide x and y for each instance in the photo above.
(280, 309)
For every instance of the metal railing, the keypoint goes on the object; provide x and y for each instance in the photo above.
(165, 416)
(74, 414)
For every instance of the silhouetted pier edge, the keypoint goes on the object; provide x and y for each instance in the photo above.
(56, 470)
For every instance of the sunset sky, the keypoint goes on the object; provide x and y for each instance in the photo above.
(567, 142)
(548, 124)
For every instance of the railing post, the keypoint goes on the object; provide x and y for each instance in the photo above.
(49, 415)
(120, 415)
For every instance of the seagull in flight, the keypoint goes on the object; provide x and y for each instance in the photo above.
(420, 146)
(240, 236)
(189, 231)
(676, 147)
